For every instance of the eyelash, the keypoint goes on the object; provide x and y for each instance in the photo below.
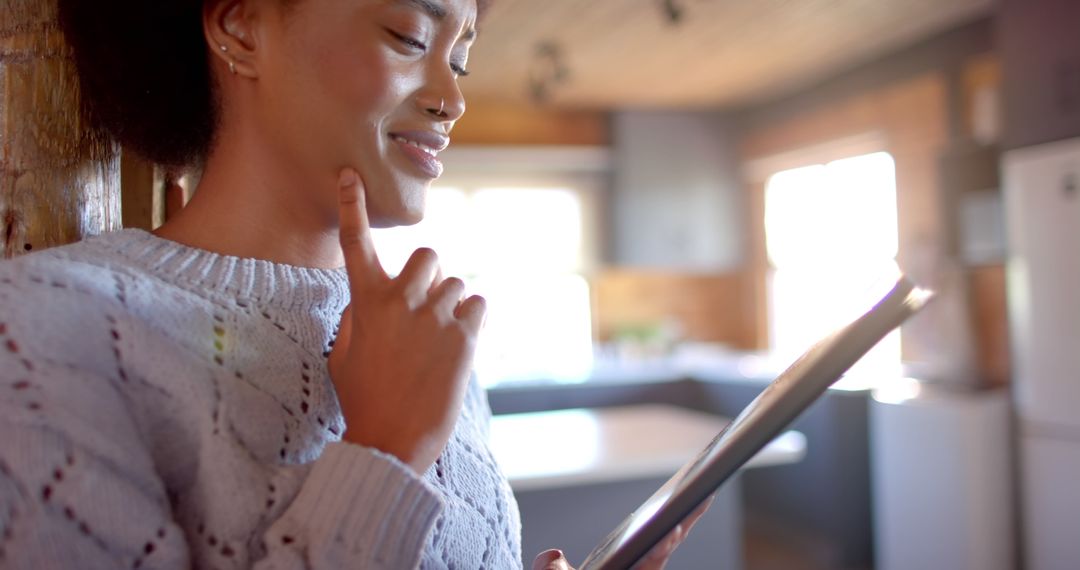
(417, 45)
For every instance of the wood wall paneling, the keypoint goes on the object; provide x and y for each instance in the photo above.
(706, 307)
(913, 117)
(493, 123)
(981, 84)
(962, 337)
(59, 181)
(990, 321)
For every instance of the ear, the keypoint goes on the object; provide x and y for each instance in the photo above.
(229, 27)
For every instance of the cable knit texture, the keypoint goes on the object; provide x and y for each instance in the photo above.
(166, 407)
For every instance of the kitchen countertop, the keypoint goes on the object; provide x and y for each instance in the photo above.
(540, 450)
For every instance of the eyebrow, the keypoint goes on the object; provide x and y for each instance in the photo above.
(431, 8)
(437, 12)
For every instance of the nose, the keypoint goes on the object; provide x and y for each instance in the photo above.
(441, 96)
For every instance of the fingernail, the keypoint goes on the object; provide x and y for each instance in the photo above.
(347, 178)
(547, 559)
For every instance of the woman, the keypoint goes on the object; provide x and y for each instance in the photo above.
(247, 387)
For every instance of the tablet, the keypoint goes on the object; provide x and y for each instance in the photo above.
(762, 420)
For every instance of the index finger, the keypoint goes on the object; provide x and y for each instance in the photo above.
(354, 231)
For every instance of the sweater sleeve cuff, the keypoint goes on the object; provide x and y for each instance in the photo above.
(362, 507)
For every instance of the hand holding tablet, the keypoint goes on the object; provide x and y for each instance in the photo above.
(647, 537)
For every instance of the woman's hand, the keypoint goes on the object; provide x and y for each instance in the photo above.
(405, 346)
(656, 559)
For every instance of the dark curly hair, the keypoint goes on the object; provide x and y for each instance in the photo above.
(145, 76)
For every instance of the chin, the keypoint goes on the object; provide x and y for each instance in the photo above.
(410, 219)
(407, 212)
(384, 222)
(413, 202)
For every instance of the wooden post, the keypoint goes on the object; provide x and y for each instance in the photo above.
(143, 193)
(59, 182)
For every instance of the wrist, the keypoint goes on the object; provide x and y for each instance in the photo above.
(408, 450)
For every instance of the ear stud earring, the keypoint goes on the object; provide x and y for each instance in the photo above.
(232, 64)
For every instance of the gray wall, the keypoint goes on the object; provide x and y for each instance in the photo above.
(677, 197)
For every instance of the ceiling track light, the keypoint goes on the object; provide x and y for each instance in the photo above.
(673, 11)
(547, 71)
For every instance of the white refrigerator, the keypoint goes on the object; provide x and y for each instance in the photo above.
(1041, 187)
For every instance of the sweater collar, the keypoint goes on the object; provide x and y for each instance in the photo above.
(261, 281)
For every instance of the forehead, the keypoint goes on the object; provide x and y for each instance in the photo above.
(454, 13)
(465, 10)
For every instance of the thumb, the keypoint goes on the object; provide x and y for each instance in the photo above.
(550, 560)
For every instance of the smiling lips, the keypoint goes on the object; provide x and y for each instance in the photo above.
(422, 148)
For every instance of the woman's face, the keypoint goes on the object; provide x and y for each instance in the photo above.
(371, 84)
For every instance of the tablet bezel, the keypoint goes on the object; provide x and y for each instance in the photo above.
(762, 420)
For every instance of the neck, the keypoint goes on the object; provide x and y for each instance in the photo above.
(251, 204)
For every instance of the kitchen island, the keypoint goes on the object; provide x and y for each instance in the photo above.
(578, 472)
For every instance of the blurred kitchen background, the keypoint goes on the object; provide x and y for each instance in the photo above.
(666, 201)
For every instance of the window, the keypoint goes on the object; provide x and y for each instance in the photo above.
(526, 249)
(831, 238)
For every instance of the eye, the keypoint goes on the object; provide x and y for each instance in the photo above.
(459, 70)
(420, 47)
(409, 41)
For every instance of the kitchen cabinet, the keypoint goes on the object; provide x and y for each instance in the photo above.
(1040, 50)
(677, 199)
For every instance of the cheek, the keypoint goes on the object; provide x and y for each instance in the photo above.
(361, 82)
(358, 94)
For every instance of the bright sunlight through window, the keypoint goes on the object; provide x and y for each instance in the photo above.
(522, 249)
(831, 236)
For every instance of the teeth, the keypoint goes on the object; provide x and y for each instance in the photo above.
(430, 151)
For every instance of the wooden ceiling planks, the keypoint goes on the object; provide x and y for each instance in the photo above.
(623, 53)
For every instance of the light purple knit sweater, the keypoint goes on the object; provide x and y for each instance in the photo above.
(167, 407)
